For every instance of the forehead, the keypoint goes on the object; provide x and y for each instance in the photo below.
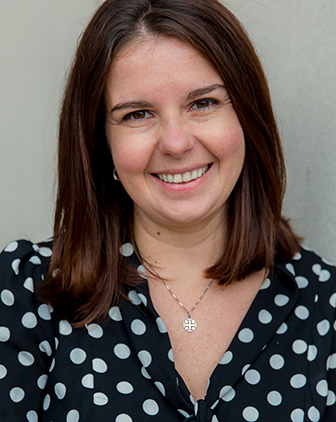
(159, 60)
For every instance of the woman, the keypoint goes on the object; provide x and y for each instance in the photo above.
(175, 291)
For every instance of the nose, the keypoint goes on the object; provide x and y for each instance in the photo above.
(176, 137)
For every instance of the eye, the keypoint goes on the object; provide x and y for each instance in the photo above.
(204, 103)
(137, 115)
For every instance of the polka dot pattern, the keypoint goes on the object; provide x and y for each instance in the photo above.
(123, 370)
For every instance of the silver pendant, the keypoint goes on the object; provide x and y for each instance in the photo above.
(190, 325)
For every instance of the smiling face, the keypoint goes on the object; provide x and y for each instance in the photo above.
(175, 138)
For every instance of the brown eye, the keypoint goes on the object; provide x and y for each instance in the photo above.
(202, 103)
(137, 115)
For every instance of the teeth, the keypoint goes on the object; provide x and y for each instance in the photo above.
(183, 178)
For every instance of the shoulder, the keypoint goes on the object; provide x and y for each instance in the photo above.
(23, 265)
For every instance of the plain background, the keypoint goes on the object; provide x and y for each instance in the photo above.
(296, 43)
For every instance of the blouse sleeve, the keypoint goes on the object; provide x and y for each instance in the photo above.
(27, 327)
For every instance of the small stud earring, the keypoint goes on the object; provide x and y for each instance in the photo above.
(115, 175)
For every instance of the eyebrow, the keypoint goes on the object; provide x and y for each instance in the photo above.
(144, 104)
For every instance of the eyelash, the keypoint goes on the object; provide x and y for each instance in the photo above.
(210, 101)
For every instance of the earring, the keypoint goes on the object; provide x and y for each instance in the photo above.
(115, 175)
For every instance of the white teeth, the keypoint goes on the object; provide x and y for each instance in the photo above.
(183, 178)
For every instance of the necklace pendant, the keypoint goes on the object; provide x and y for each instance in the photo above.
(190, 325)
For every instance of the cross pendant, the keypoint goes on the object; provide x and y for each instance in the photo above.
(190, 325)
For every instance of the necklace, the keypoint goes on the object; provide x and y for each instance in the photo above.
(189, 324)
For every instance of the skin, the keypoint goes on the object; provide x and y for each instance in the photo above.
(168, 113)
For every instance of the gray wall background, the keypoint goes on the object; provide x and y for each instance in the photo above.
(296, 40)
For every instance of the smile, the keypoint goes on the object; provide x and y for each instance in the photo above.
(184, 177)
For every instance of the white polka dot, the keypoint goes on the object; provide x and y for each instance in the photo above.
(145, 374)
(77, 356)
(125, 387)
(290, 268)
(245, 368)
(3, 372)
(250, 414)
(15, 265)
(60, 390)
(99, 365)
(227, 393)
(95, 331)
(332, 300)
(265, 317)
(266, 284)
(312, 352)
(313, 414)
(88, 381)
(44, 312)
(26, 358)
(52, 366)
(297, 415)
(324, 276)
(331, 399)
(126, 249)
(298, 381)
(100, 399)
(160, 387)
(331, 361)
(183, 413)
(7, 297)
(301, 312)
(138, 327)
(35, 260)
(252, 376)
(29, 320)
(56, 342)
(16, 394)
(72, 416)
(274, 398)
(171, 355)
(4, 334)
(282, 329)
(123, 418)
(277, 362)
(42, 381)
(11, 247)
(122, 351)
(35, 247)
(145, 358)
(214, 419)
(45, 347)
(142, 271)
(323, 327)
(65, 328)
(227, 358)
(134, 298)
(299, 347)
(322, 388)
(297, 256)
(143, 298)
(29, 284)
(150, 407)
(316, 298)
(115, 313)
(317, 269)
(246, 335)
(302, 282)
(46, 402)
(161, 326)
(281, 300)
(46, 252)
(32, 416)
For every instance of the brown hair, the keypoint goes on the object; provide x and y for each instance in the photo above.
(94, 214)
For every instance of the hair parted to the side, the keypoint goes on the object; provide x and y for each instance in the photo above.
(94, 214)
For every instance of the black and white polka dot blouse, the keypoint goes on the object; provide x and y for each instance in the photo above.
(281, 365)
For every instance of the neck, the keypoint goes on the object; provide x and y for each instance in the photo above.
(180, 253)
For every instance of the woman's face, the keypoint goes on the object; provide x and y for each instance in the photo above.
(175, 138)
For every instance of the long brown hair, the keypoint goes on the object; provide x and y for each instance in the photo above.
(94, 214)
